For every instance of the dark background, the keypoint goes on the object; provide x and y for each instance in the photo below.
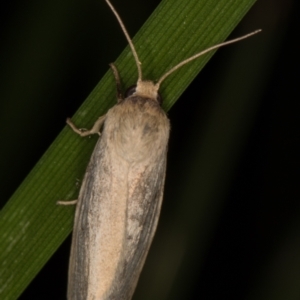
(240, 238)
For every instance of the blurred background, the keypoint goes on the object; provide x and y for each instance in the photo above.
(230, 222)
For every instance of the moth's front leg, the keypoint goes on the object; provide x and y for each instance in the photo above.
(82, 132)
(94, 130)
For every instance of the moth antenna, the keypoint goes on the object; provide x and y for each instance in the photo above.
(203, 52)
(136, 58)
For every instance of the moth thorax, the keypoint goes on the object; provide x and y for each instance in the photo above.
(147, 89)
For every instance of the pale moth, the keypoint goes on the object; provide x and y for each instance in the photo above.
(121, 194)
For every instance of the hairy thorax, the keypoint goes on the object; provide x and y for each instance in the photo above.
(138, 128)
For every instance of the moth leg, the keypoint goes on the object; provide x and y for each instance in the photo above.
(83, 132)
(72, 202)
(118, 82)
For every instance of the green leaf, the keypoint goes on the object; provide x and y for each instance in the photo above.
(32, 226)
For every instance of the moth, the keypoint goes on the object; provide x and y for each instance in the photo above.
(121, 194)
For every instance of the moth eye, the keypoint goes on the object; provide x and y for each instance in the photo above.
(130, 91)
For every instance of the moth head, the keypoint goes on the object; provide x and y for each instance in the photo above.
(149, 89)
(146, 89)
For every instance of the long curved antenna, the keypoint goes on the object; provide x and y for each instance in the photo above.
(203, 52)
(136, 58)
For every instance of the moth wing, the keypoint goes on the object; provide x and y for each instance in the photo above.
(143, 199)
(119, 203)
(143, 210)
(79, 264)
